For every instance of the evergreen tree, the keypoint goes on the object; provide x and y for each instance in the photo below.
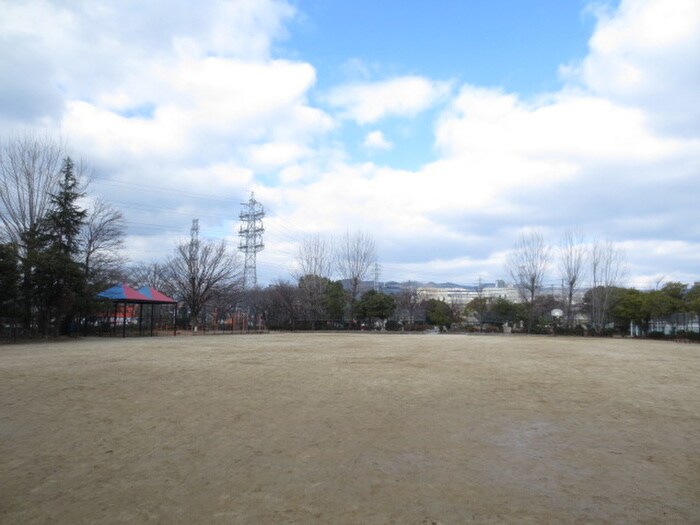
(335, 301)
(438, 313)
(65, 218)
(59, 281)
(375, 305)
(9, 279)
(504, 311)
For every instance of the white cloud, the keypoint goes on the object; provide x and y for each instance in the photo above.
(129, 29)
(210, 105)
(568, 126)
(372, 101)
(277, 154)
(192, 101)
(185, 98)
(650, 261)
(224, 177)
(113, 50)
(645, 54)
(585, 156)
(377, 141)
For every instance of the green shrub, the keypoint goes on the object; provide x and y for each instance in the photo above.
(392, 326)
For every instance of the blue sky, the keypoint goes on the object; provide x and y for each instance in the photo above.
(445, 129)
(514, 45)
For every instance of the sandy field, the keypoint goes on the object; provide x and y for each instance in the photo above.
(350, 428)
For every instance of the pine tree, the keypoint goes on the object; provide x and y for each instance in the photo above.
(59, 281)
(65, 218)
(9, 279)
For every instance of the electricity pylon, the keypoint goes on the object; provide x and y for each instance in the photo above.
(251, 240)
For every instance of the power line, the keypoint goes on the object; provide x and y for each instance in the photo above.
(160, 189)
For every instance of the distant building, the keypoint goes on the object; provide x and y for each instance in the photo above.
(462, 295)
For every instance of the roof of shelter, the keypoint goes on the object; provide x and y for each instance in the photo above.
(122, 293)
(155, 296)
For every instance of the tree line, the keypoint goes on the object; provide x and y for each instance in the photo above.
(326, 286)
(670, 311)
(60, 246)
(606, 305)
(57, 246)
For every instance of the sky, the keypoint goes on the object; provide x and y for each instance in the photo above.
(444, 129)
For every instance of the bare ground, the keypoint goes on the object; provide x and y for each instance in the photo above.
(350, 429)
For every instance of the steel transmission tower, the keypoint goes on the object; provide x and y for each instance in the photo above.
(194, 242)
(251, 242)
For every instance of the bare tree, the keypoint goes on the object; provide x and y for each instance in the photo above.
(30, 177)
(30, 173)
(101, 237)
(153, 274)
(314, 264)
(407, 302)
(356, 256)
(608, 267)
(283, 303)
(314, 257)
(196, 270)
(572, 258)
(479, 306)
(225, 299)
(527, 264)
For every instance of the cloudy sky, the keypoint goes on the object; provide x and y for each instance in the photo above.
(443, 128)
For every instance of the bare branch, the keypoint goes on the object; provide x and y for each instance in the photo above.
(30, 171)
(572, 256)
(314, 257)
(527, 264)
(151, 274)
(101, 237)
(197, 269)
(356, 256)
(407, 302)
(608, 266)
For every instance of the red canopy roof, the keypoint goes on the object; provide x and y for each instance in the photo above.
(155, 296)
(124, 294)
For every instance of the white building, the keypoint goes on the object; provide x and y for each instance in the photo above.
(461, 296)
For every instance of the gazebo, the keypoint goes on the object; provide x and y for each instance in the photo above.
(124, 294)
(155, 297)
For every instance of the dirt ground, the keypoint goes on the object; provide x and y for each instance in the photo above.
(350, 428)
